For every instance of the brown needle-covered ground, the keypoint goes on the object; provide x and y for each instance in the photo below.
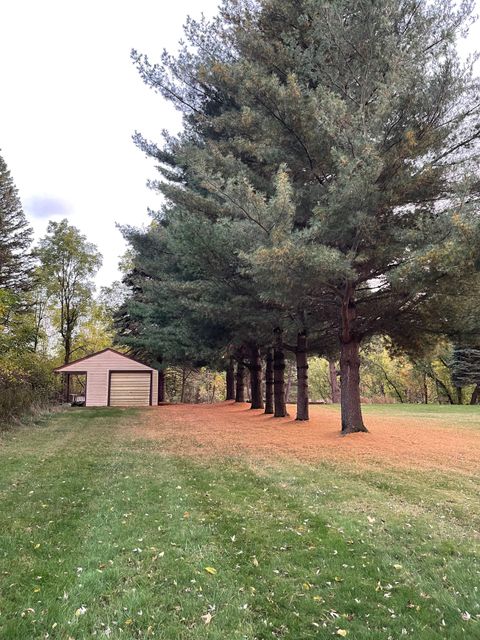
(229, 429)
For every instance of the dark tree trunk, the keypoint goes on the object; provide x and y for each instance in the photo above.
(184, 384)
(240, 383)
(256, 378)
(246, 384)
(67, 356)
(269, 382)
(280, 407)
(475, 394)
(68, 348)
(459, 395)
(302, 377)
(288, 385)
(230, 380)
(66, 387)
(425, 389)
(161, 386)
(334, 386)
(351, 409)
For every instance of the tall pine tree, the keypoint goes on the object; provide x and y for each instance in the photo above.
(15, 236)
(375, 119)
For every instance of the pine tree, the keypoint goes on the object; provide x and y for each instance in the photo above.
(375, 119)
(465, 368)
(15, 236)
(189, 299)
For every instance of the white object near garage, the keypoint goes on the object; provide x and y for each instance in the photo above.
(115, 380)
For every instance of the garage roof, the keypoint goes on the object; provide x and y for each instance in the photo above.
(81, 364)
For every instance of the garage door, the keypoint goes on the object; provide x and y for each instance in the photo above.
(129, 389)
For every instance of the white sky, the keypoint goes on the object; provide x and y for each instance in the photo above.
(71, 100)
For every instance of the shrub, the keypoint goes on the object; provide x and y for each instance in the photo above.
(27, 387)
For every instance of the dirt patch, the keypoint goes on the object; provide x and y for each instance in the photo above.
(228, 429)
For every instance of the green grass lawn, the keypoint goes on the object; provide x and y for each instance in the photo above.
(450, 415)
(101, 535)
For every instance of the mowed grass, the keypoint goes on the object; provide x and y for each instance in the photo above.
(448, 415)
(102, 535)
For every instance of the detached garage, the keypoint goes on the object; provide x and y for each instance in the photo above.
(115, 380)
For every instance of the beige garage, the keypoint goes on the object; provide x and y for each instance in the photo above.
(114, 379)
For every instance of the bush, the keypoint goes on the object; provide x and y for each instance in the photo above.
(27, 387)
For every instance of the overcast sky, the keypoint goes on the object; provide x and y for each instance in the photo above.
(71, 100)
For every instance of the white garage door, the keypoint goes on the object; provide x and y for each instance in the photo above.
(129, 389)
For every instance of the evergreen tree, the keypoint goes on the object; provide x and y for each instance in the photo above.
(15, 236)
(189, 299)
(465, 367)
(375, 119)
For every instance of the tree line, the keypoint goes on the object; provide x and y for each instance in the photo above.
(48, 311)
(323, 193)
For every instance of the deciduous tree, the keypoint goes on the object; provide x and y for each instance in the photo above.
(68, 263)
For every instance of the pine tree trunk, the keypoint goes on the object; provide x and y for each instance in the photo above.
(230, 380)
(302, 377)
(161, 386)
(246, 384)
(288, 385)
(269, 382)
(240, 383)
(256, 378)
(351, 410)
(280, 407)
(475, 394)
(459, 391)
(334, 386)
(425, 389)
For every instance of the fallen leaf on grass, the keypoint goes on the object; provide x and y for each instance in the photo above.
(211, 570)
(342, 632)
(207, 618)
